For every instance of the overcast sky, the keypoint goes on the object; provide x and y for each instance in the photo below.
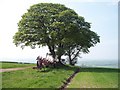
(103, 14)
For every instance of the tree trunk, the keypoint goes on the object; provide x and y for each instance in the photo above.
(76, 55)
(51, 49)
(71, 63)
(70, 59)
(59, 58)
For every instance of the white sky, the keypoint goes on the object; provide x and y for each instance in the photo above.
(104, 22)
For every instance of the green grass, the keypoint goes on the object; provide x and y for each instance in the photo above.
(32, 78)
(95, 78)
(5, 65)
(54, 77)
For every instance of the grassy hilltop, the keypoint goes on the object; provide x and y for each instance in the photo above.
(54, 77)
(32, 78)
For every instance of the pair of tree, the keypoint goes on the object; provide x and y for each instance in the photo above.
(58, 27)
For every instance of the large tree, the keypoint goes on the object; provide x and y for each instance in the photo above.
(58, 27)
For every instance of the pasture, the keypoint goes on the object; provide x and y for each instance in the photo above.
(95, 78)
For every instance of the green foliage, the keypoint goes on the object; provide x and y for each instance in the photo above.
(56, 26)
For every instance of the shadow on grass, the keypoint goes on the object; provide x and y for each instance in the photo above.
(101, 70)
(67, 67)
(62, 67)
(74, 68)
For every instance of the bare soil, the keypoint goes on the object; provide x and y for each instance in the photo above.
(12, 69)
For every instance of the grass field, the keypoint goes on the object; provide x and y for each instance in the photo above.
(32, 78)
(95, 78)
(54, 77)
(13, 65)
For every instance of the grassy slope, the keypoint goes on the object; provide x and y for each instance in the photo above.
(95, 78)
(14, 65)
(31, 78)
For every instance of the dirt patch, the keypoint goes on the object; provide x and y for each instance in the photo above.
(12, 69)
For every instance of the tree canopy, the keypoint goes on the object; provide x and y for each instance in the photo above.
(58, 27)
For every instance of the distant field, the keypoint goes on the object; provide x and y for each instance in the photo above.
(32, 78)
(95, 78)
(14, 65)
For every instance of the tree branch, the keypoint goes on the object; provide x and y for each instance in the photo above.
(76, 55)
